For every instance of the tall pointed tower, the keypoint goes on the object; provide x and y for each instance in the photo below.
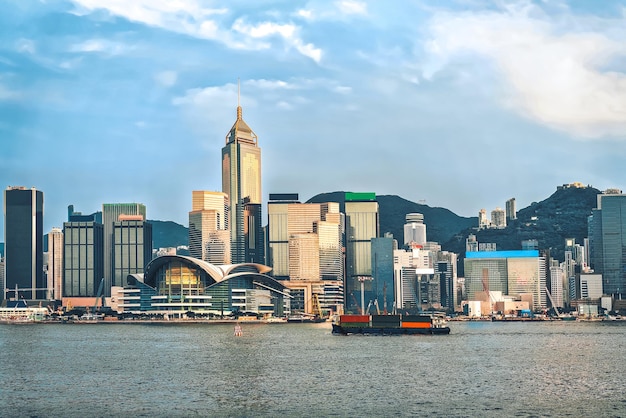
(241, 181)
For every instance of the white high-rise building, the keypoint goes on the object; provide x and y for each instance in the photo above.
(55, 263)
(498, 218)
(483, 221)
(414, 229)
(304, 257)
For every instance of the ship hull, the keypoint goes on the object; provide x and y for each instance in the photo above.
(338, 329)
(390, 325)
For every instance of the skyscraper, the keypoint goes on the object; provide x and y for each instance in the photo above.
(362, 225)
(132, 247)
(83, 252)
(511, 211)
(414, 229)
(55, 263)
(209, 236)
(609, 235)
(510, 272)
(498, 218)
(110, 214)
(382, 272)
(278, 233)
(241, 181)
(23, 239)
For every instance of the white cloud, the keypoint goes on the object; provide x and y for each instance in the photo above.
(288, 32)
(555, 75)
(271, 84)
(100, 45)
(339, 11)
(26, 45)
(264, 29)
(7, 94)
(166, 78)
(352, 7)
(189, 17)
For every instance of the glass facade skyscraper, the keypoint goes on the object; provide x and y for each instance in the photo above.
(383, 272)
(83, 253)
(508, 272)
(609, 242)
(132, 248)
(110, 214)
(23, 239)
(241, 181)
(361, 226)
(278, 233)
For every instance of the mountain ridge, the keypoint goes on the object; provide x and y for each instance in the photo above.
(560, 216)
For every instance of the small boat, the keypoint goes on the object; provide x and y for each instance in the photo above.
(238, 330)
(20, 313)
(305, 318)
(390, 324)
(276, 320)
(91, 317)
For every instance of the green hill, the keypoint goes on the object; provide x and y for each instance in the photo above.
(166, 234)
(560, 216)
(441, 224)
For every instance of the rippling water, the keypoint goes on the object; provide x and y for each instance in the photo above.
(481, 369)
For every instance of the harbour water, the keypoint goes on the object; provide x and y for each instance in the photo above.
(482, 369)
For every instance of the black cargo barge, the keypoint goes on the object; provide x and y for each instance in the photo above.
(390, 325)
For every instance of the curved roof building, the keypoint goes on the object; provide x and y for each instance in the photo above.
(180, 284)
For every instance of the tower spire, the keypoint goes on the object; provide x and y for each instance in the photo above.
(239, 112)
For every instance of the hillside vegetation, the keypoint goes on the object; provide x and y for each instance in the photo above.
(560, 216)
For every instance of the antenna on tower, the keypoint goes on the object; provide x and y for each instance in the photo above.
(239, 116)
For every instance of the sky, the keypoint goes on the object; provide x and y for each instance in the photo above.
(460, 104)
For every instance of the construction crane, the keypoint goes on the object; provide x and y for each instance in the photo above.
(315, 306)
(485, 279)
(99, 294)
(556, 309)
(363, 279)
(369, 305)
(385, 298)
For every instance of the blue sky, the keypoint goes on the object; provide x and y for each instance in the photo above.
(457, 104)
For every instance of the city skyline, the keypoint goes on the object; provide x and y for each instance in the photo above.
(104, 103)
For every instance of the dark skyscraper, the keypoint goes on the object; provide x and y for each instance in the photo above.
(23, 238)
(83, 251)
(132, 247)
(609, 237)
(241, 181)
(110, 214)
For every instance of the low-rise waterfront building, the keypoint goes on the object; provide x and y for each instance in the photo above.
(179, 285)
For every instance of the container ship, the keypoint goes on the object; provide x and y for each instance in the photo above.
(390, 324)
